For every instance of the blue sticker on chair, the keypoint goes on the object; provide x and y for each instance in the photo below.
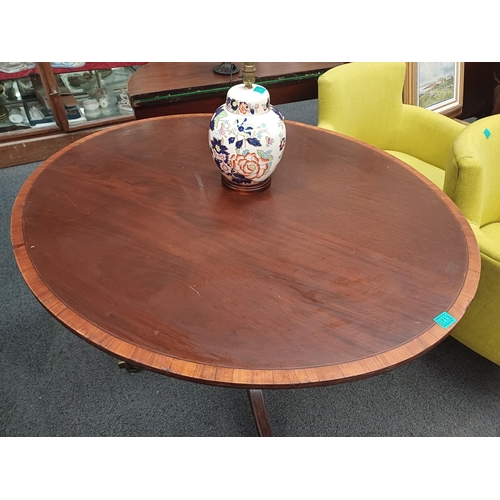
(444, 319)
(259, 89)
(487, 133)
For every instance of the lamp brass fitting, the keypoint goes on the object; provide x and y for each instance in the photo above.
(248, 74)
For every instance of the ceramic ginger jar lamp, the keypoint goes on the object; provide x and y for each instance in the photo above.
(247, 136)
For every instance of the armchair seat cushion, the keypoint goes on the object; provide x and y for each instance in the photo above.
(492, 231)
(479, 328)
(433, 173)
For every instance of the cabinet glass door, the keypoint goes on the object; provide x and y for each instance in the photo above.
(63, 95)
(23, 105)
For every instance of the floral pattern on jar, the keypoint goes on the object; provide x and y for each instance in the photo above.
(246, 147)
(245, 108)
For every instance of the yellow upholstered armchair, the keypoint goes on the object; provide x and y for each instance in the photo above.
(473, 182)
(365, 101)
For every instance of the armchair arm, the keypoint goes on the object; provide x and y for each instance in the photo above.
(426, 135)
(487, 246)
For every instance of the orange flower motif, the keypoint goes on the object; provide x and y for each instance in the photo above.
(243, 108)
(251, 166)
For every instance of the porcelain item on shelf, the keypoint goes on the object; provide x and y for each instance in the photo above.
(15, 116)
(74, 80)
(4, 113)
(103, 101)
(247, 138)
(35, 113)
(90, 104)
(124, 102)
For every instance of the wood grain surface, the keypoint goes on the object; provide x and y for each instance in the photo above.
(163, 78)
(169, 88)
(335, 273)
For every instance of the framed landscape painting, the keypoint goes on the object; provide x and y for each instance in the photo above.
(437, 86)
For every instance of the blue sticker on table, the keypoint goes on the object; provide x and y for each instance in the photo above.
(444, 319)
(487, 133)
(259, 89)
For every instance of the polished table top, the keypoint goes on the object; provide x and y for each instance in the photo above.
(158, 80)
(336, 272)
(170, 88)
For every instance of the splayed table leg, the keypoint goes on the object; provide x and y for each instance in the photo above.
(260, 412)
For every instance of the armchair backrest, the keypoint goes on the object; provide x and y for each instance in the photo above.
(472, 177)
(363, 100)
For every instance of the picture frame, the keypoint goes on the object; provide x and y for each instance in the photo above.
(437, 86)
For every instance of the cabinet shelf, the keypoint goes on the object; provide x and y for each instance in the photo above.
(88, 66)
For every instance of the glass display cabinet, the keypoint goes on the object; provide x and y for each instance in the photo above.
(45, 106)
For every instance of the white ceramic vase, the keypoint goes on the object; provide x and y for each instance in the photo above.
(247, 138)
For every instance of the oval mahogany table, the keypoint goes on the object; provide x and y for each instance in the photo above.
(335, 273)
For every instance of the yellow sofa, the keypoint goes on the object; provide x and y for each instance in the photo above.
(365, 101)
(473, 182)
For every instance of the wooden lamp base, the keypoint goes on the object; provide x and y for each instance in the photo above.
(246, 188)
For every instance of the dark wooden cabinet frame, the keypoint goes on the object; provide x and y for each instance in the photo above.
(25, 146)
